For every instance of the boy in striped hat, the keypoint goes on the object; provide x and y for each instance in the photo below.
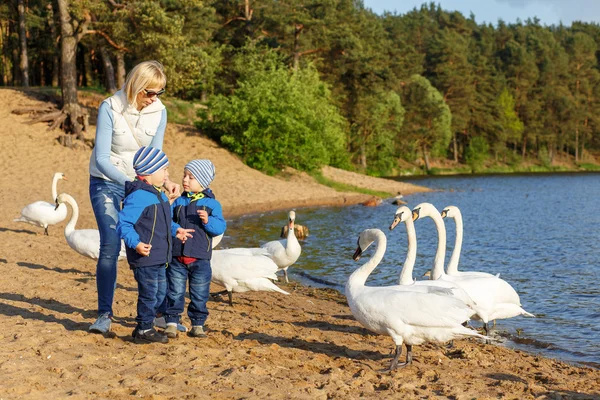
(146, 226)
(196, 209)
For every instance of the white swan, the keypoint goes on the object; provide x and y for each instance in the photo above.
(495, 298)
(283, 252)
(409, 317)
(84, 241)
(452, 267)
(404, 214)
(242, 273)
(42, 213)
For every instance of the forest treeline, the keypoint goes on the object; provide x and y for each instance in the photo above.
(328, 82)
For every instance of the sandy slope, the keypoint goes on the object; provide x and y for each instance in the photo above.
(306, 345)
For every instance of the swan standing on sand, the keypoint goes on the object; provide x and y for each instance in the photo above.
(409, 317)
(42, 213)
(452, 267)
(495, 298)
(84, 241)
(243, 273)
(404, 214)
(283, 252)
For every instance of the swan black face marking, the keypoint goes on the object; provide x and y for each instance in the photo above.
(396, 221)
(357, 254)
(415, 213)
(57, 204)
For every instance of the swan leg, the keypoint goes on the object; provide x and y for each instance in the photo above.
(222, 292)
(230, 294)
(46, 231)
(486, 328)
(285, 275)
(409, 356)
(394, 363)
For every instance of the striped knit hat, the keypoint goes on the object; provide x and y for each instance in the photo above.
(202, 170)
(148, 160)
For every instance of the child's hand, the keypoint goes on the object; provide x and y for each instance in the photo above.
(183, 234)
(143, 249)
(203, 214)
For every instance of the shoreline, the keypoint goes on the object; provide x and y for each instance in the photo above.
(304, 346)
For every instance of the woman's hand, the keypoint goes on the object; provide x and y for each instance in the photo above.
(173, 190)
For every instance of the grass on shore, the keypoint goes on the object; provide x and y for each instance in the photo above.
(343, 187)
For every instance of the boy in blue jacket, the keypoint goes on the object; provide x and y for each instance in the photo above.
(146, 226)
(196, 209)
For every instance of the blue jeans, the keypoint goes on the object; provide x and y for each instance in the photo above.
(199, 274)
(152, 288)
(106, 197)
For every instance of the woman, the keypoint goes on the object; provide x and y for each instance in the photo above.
(131, 118)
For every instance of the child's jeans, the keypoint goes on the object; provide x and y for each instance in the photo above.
(152, 288)
(199, 274)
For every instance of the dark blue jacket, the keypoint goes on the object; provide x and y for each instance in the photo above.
(185, 213)
(146, 217)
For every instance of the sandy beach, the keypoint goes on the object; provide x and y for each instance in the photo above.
(304, 346)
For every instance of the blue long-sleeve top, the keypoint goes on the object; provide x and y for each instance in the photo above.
(104, 132)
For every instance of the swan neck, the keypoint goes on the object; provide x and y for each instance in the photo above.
(359, 277)
(455, 257)
(440, 254)
(70, 227)
(406, 275)
(54, 187)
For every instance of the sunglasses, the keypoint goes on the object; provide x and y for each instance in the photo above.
(151, 94)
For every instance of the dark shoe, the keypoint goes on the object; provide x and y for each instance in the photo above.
(150, 336)
(197, 331)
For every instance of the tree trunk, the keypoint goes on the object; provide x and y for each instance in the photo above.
(120, 69)
(4, 43)
(54, 37)
(455, 147)
(24, 64)
(68, 71)
(109, 71)
(576, 144)
(363, 156)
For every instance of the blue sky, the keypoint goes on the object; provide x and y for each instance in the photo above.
(550, 12)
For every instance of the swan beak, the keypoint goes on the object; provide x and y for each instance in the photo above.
(444, 213)
(415, 214)
(64, 178)
(395, 222)
(427, 274)
(357, 254)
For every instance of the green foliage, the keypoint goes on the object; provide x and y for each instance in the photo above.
(277, 117)
(477, 153)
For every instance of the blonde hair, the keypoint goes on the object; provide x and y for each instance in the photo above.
(145, 74)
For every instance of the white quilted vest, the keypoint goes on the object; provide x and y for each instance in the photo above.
(127, 122)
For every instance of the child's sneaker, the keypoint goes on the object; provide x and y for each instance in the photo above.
(149, 336)
(171, 331)
(102, 324)
(197, 331)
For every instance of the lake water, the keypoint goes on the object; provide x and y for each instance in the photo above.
(540, 232)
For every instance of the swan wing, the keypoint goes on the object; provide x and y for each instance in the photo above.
(85, 241)
(42, 213)
(284, 252)
(246, 251)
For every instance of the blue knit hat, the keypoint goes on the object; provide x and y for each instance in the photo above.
(202, 170)
(148, 160)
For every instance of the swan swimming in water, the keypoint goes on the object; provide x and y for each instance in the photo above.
(42, 213)
(84, 241)
(452, 267)
(495, 298)
(409, 317)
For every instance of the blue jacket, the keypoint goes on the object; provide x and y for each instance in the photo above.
(185, 213)
(146, 217)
